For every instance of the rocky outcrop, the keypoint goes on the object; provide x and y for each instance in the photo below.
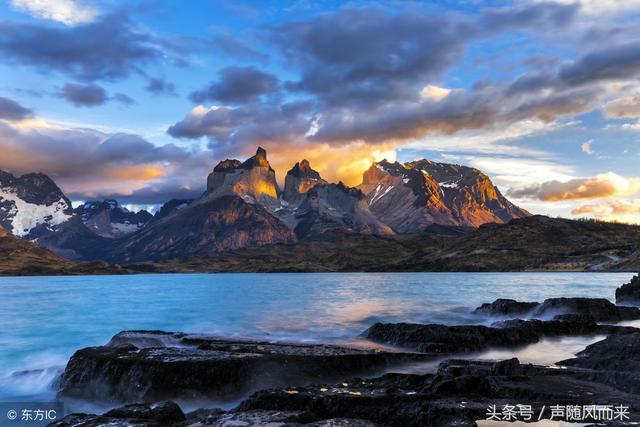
(108, 219)
(411, 196)
(336, 207)
(299, 180)
(629, 293)
(252, 180)
(600, 309)
(193, 366)
(506, 307)
(443, 339)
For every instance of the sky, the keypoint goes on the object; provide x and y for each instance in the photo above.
(138, 100)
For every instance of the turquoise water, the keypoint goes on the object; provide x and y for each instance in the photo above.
(45, 319)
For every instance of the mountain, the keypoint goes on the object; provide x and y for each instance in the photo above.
(409, 197)
(170, 207)
(31, 204)
(204, 227)
(336, 207)
(19, 258)
(108, 219)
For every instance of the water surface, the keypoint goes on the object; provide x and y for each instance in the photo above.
(45, 319)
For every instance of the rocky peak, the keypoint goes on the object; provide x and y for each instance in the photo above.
(107, 218)
(299, 180)
(253, 180)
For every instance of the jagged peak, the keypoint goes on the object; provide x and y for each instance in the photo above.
(258, 160)
(227, 164)
(303, 169)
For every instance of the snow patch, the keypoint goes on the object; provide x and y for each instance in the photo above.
(26, 216)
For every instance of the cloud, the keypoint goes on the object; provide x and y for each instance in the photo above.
(586, 147)
(612, 210)
(601, 186)
(623, 108)
(11, 110)
(161, 86)
(110, 48)
(123, 99)
(69, 12)
(84, 95)
(237, 85)
(89, 164)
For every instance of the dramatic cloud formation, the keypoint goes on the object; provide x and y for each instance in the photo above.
(604, 185)
(68, 12)
(237, 85)
(88, 163)
(110, 48)
(11, 110)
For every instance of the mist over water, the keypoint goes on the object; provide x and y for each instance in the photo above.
(45, 319)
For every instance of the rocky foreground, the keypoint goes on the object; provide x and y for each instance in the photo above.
(323, 385)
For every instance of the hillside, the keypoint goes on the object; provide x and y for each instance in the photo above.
(531, 244)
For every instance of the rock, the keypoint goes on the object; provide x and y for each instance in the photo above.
(457, 395)
(614, 353)
(443, 339)
(329, 207)
(602, 310)
(197, 366)
(504, 306)
(299, 180)
(139, 414)
(629, 292)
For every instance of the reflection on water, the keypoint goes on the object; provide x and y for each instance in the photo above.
(45, 319)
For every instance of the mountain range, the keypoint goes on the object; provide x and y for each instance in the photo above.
(243, 210)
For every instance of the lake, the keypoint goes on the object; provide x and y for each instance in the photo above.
(45, 319)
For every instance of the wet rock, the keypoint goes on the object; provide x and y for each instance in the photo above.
(443, 339)
(139, 414)
(503, 306)
(614, 353)
(602, 310)
(629, 293)
(198, 366)
(457, 395)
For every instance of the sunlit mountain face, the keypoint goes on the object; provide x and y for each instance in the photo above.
(138, 101)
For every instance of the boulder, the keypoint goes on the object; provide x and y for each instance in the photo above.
(140, 414)
(629, 293)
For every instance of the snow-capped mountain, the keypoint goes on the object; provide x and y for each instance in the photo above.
(107, 218)
(31, 204)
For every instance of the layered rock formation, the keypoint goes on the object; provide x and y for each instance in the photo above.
(629, 293)
(299, 180)
(253, 180)
(409, 197)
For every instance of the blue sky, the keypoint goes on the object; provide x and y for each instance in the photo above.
(139, 100)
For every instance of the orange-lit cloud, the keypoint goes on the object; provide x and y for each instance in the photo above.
(136, 173)
(601, 186)
(612, 210)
